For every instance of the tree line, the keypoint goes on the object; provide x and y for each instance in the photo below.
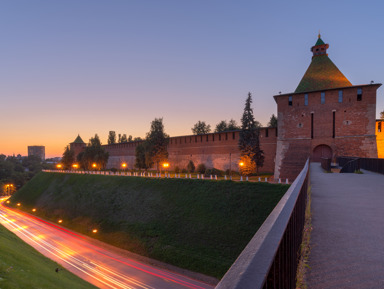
(15, 171)
(152, 150)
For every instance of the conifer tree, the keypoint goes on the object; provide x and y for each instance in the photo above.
(249, 143)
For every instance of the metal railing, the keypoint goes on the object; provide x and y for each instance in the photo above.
(270, 259)
(353, 164)
(349, 164)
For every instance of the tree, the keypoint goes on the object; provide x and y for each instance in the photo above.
(119, 139)
(249, 143)
(137, 139)
(382, 115)
(272, 121)
(221, 126)
(142, 160)
(130, 138)
(201, 128)
(247, 166)
(232, 125)
(68, 158)
(157, 141)
(94, 153)
(112, 137)
(226, 126)
(123, 138)
(191, 167)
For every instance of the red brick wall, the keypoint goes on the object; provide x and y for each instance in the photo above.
(354, 126)
(216, 150)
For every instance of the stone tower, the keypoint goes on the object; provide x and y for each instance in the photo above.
(326, 116)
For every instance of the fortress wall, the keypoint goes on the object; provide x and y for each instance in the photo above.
(215, 150)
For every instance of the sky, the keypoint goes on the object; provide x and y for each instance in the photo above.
(90, 66)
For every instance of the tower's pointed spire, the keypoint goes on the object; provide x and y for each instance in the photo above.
(322, 73)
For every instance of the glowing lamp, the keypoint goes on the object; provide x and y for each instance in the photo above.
(59, 166)
(60, 221)
(94, 231)
(124, 165)
(93, 165)
(18, 204)
(33, 210)
(241, 164)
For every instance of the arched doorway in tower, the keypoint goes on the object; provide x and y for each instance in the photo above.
(321, 151)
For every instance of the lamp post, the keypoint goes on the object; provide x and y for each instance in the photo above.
(59, 166)
(94, 166)
(75, 166)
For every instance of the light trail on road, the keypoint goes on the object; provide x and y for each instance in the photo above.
(101, 267)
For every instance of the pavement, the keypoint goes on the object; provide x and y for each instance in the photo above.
(347, 240)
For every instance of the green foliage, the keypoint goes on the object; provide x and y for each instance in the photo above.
(157, 142)
(112, 137)
(154, 149)
(18, 170)
(93, 153)
(226, 126)
(272, 121)
(177, 170)
(201, 168)
(123, 138)
(198, 225)
(214, 172)
(201, 128)
(249, 143)
(21, 266)
(68, 158)
(382, 115)
(143, 160)
(130, 138)
(191, 167)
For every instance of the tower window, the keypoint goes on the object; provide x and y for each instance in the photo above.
(333, 123)
(207, 138)
(305, 99)
(322, 97)
(340, 96)
(359, 94)
(266, 132)
(290, 100)
(379, 126)
(233, 135)
(311, 125)
(213, 137)
(219, 136)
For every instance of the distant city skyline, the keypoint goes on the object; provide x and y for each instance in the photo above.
(86, 67)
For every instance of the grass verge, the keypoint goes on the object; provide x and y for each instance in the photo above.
(198, 225)
(21, 266)
(305, 248)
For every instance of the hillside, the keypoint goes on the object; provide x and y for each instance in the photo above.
(21, 266)
(197, 225)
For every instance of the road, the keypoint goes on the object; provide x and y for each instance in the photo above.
(102, 267)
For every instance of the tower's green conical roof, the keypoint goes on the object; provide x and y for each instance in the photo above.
(78, 139)
(322, 73)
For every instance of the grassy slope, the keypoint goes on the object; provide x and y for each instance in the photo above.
(198, 225)
(21, 266)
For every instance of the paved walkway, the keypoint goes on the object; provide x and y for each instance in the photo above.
(347, 241)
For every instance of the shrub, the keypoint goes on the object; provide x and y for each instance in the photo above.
(201, 168)
(184, 171)
(177, 170)
(213, 172)
(113, 170)
(191, 167)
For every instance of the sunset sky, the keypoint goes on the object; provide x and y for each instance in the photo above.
(89, 66)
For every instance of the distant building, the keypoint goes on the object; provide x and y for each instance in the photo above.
(37, 151)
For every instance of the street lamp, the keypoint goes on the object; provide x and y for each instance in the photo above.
(75, 166)
(59, 166)
(94, 165)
